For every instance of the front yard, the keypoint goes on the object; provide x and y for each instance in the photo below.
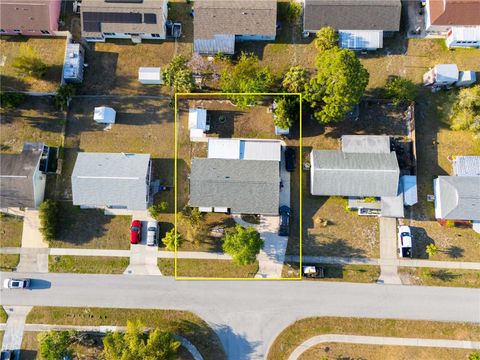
(9, 262)
(207, 268)
(87, 264)
(347, 273)
(11, 228)
(440, 277)
(50, 50)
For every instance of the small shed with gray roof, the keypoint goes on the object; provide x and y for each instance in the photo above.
(457, 197)
(239, 186)
(336, 173)
(112, 180)
(218, 24)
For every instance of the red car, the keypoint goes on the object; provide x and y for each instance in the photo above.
(136, 232)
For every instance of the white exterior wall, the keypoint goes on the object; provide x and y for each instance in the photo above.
(39, 181)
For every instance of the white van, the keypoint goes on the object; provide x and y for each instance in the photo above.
(404, 242)
(152, 233)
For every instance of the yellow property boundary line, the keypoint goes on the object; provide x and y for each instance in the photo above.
(186, 95)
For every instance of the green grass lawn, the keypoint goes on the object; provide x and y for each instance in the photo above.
(10, 231)
(3, 315)
(291, 337)
(207, 268)
(8, 262)
(90, 228)
(87, 264)
(183, 323)
(440, 277)
(347, 273)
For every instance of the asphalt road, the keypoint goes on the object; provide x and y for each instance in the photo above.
(248, 315)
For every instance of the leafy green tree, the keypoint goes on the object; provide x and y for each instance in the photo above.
(243, 244)
(431, 249)
(29, 63)
(339, 84)
(326, 39)
(48, 212)
(156, 209)
(401, 90)
(286, 111)
(54, 345)
(11, 100)
(290, 11)
(247, 76)
(295, 79)
(474, 356)
(170, 239)
(465, 112)
(136, 344)
(64, 94)
(178, 75)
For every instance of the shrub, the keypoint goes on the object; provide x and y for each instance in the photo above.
(156, 209)
(465, 113)
(326, 39)
(178, 75)
(12, 100)
(28, 63)
(292, 11)
(64, 94)
(295, 79)
(400, 90)
(169, 240)
(243, 245)
(286, 112)
(55, 345)
(48, 212)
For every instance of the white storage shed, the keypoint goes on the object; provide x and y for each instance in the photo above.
(198, 124)
(104, 115)
(466, 78)
(150, 75)
(361, 39)
(446, 74)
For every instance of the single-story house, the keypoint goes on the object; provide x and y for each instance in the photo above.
(463, 36)
(73, 63)
(360, 24)
(458, 197)
(443, 15)
(120, 19)
(218, 24)
(22, 177)
(357, 173)
(112, 180)
(29, 18)
(238, 176)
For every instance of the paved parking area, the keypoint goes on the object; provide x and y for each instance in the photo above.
(416, 20)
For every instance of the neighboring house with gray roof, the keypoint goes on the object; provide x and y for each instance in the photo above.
(22, 178)
(112, 180)
(457, 197)
(123, 19)
(236, 186)
(361, 23)
(217, 24)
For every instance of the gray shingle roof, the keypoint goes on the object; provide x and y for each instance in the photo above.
(245, 17)
(16, 176)
(352, 14)
(244, 186)
(457, 197)
(366, 144)
(111, 179)
(353, 174)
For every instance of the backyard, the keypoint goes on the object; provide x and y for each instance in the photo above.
(50, 50)
(11, 228)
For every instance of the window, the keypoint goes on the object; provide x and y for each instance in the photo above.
(109, 33)
(150, 18)
(16, 30)
(45, 32)
(2, 31)
(156, 35)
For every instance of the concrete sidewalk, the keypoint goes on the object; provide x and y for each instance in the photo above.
(379, 340)
(12, 338)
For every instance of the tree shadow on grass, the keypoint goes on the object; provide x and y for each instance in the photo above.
(454, 252)
(11, 83)
(420, 242)
(330, 246)
(443, 275)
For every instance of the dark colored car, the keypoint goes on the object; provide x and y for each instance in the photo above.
(284, 229)
(290, 159)
(136, 232)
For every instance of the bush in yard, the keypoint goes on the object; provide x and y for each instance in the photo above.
(295, 79)
(247, 76)
(134, 343)
(400, 90)
(29, 63)
(286, 111)
(326, 39)
(338, 86)
(64, 94)
(431, 249)
(243, 245)
(54, 345)
(170, 239)
(465, 112)
(178, 75)
(156, 209)
(11, 100)
(48, 213)
(474, 356)
(290, 11)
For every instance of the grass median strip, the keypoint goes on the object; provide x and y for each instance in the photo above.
(8, 262)
(348, 273)
(182, 323)
(87, 264)
(207, 268)
(440, 277)
(302, 330)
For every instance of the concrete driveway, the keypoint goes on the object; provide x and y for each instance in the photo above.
(12, 338)
(34, 255)
(388, 250)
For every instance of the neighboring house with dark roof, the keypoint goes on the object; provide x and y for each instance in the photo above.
(458, 197)
(22, 178)
(29, 18)
(123, 19)
(112, 181)
(218, 24)
(361, 23)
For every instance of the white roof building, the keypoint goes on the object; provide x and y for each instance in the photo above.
(361, 39)
(150, 75)
(104, 115)
(244, 149)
